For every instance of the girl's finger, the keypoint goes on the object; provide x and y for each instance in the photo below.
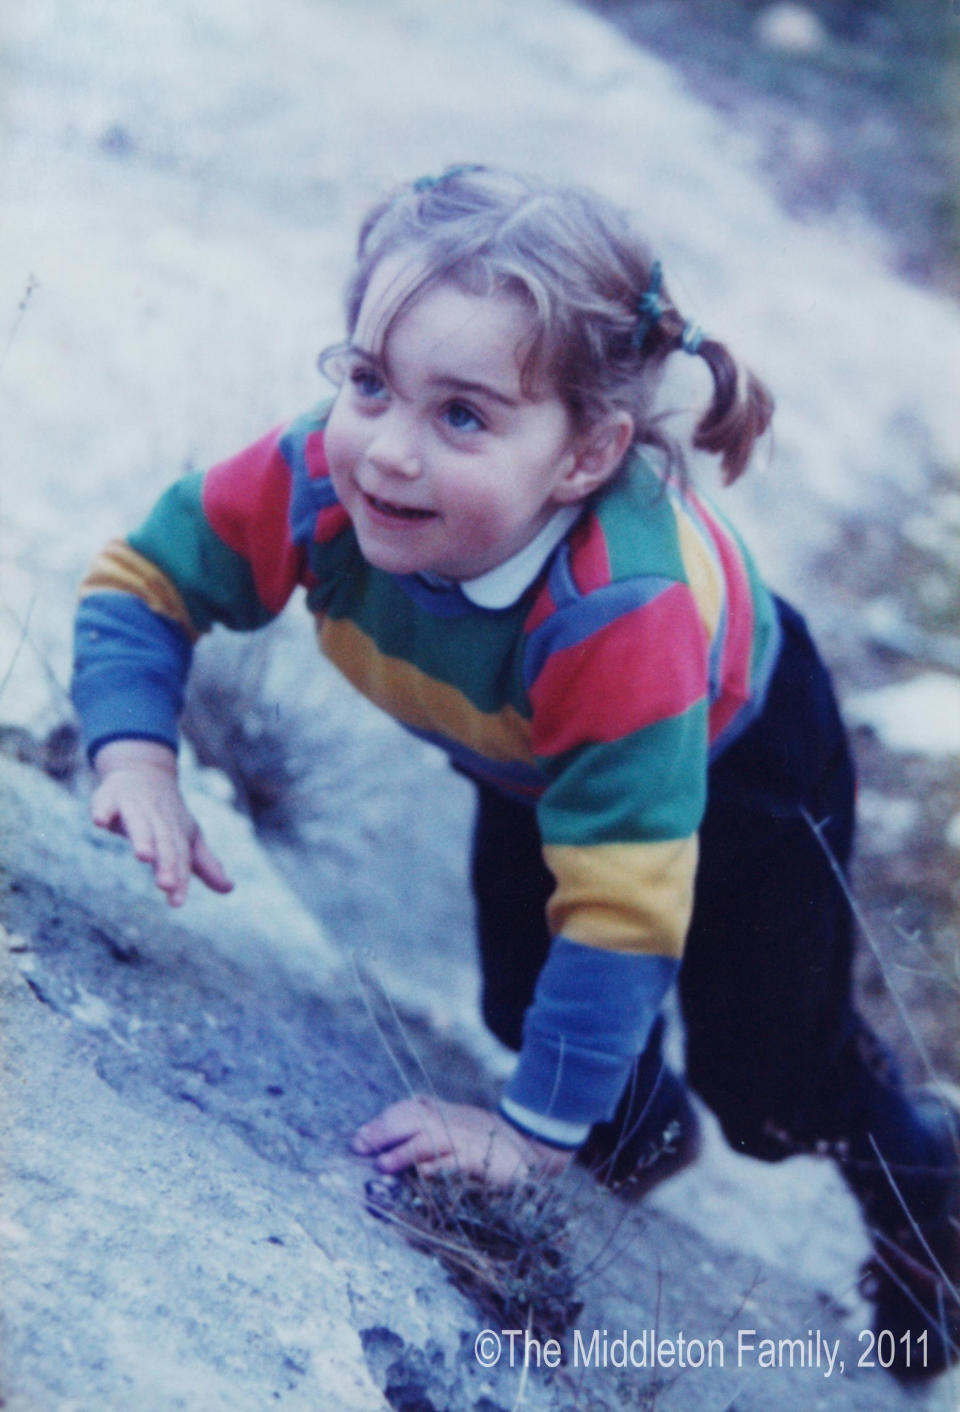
(104, 813)
(153, 845)
(172, 865)
(438, 1167)
(422, 1147)
(208, 867)
(377, 1137)
(395, 1124)
(106, 810)
(135, 823)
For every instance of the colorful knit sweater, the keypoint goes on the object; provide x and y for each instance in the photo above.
(643, 646)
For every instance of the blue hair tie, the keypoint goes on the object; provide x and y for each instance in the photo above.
(649, 306)
(692, 337)
(427, 183)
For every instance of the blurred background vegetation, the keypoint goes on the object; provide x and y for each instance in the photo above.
(854, 105)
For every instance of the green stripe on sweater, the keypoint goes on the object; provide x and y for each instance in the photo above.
(486, 667)
(215, 583)
(638, 524)
(648, 787)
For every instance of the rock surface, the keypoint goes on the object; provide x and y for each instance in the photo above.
(182, 1224)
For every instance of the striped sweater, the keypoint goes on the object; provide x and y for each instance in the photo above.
(642, 647)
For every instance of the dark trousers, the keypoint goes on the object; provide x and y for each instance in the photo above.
(773, 1044)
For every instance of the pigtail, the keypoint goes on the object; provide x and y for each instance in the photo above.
(741, 408)
(738, 415)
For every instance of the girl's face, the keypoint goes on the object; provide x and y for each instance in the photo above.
(441, 461)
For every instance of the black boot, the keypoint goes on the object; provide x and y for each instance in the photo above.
(653, 1134)
(903, 1165)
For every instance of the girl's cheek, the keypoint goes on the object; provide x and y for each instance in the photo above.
(338, 444)
(340, 420)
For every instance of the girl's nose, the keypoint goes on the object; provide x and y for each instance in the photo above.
(393, 449)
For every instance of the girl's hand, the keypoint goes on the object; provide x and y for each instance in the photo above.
(139, 796)
(436, 1136)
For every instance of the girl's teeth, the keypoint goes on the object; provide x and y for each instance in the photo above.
(400, 511)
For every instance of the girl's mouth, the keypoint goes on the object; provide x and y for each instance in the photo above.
(397, 512)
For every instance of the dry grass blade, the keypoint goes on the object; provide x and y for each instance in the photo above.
(507, 1251)
(32, 284)
(908, 1020)
(21, 639)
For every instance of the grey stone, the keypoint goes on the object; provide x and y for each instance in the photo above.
(183, 1225)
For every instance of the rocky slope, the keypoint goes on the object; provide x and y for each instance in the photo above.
(184, 1228)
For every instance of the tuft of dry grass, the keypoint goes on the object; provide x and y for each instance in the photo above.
(506, 1249)
(57, 754)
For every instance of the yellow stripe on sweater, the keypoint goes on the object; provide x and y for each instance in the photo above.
(631, 897)
(702, 568)
(120, 569)
(419, 700)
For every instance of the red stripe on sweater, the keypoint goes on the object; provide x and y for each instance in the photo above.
(645, 667)
(332, 520)
(543, 606)
(721, 714)
(247, 503)
(315, 456)
(330, 523)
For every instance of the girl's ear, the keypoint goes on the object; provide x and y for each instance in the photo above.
(597, 453)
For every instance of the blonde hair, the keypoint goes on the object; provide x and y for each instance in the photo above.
(574, 259)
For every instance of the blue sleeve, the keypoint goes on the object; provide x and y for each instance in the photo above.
(591, 1015)
(130, 671)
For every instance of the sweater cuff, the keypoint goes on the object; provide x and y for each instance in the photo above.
(562, 1090)
(591, 1016)
(552, 1131)
(130, 667)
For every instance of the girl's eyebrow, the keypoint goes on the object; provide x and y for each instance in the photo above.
(365, 354)
(466, 385)
(442, 380)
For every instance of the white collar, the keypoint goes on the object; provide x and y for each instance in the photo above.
(501, 586)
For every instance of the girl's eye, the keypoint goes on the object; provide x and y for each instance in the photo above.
(462, 417)
(367, 382)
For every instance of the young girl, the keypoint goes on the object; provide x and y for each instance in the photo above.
(500, 549)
